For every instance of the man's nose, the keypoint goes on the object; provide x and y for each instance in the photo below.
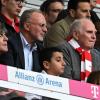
(45, 29)
(88, 14)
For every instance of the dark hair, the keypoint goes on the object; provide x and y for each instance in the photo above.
(46, 4)
(94, 78)
(61, 15)
(46, 54)
(3, 30)
(73, 4)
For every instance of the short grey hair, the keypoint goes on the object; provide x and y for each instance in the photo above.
(26, 15)
(77, 25)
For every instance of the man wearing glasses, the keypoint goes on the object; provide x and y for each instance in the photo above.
(24, 48)
(10, 10)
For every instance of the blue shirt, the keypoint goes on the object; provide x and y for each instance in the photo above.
(28, 49)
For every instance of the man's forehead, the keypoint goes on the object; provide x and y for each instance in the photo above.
(84, 5)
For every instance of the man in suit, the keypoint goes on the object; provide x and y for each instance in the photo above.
(80, 57)
(23, 49)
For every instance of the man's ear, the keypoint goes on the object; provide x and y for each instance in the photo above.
(76, 35)
(46, 16)
(27, 26)
(46, 64)
(72, 13)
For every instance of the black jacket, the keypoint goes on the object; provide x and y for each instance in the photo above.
(15, 55)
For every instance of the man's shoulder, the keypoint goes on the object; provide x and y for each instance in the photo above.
(65, 46)
(14, 40)
(62, 25)
(95, 59)
(95, 52)
(61, 22)
(59, 27)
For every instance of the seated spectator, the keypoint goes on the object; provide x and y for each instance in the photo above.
(23, 50)
(5, 93)
(51, 61)
(51, 9)
(94, 78)
(80, 57)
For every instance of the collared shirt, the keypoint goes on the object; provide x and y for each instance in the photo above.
(28, 53)
(44, 72)
(14, 24)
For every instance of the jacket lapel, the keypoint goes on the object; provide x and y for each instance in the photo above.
(21, 52)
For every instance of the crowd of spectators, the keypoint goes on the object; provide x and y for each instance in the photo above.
(50, 40)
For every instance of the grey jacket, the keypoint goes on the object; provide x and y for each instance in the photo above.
(73, 61)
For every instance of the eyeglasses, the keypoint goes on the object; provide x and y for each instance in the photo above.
(23, 2)
(41, 25)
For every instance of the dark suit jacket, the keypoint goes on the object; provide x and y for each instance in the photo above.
(73, 61)
(15, 55)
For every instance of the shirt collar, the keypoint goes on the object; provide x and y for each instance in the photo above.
(9, 22)
(26, 44)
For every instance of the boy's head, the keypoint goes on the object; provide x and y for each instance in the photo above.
(51, 60)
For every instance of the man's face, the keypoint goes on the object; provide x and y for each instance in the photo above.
(93, 3)
(37, 26)
(83, 10)
(54, 10)
(13, 7)
(87, 36)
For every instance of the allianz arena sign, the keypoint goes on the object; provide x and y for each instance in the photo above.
(47, 85)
